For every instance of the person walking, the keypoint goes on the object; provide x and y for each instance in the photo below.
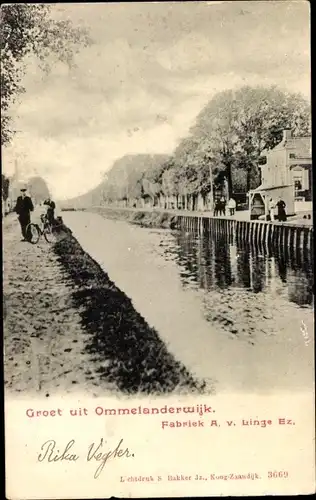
(231, 206)
(281, 210)
(23, 208)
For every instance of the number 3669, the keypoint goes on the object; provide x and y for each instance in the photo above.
(278, 474)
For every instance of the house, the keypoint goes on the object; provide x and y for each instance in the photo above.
(290, 163)
(286, 173)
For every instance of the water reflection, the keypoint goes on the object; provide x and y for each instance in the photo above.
(215, 263)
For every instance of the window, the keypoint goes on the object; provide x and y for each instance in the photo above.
(292, 155)
(297, 183)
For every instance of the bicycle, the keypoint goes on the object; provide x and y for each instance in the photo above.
(47, 229)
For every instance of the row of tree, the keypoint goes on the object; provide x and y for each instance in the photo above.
(224, 148)
(36, 187)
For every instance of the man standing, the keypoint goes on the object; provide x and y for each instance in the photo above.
(23, 208)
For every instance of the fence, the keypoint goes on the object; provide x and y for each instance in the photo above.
(270, 233)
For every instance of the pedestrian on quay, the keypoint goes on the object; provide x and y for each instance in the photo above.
(24, 207)
(281, 210)
(216, 208)
(271, 209)
(231, 206)
(222, 206)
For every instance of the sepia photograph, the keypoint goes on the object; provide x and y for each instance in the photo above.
(175, 169)
(157, 201)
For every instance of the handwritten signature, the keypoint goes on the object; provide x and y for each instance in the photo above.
(51, 452)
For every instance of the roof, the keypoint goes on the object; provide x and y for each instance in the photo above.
(303, 145)
(270, 188)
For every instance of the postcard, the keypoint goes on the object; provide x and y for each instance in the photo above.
(158, 286)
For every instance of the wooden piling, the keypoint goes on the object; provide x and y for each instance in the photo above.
(260, 234)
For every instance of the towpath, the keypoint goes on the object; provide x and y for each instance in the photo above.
(44, 342)
(240, 215)
(68, 328)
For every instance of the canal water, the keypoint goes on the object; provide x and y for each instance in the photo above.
(238, 317)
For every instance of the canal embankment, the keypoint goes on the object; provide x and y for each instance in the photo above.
(295, 233)
(232, 315)
(150, 218)
(68, 327)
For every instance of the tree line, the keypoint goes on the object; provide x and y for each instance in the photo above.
(224, 148)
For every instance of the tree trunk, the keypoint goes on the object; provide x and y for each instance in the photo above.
(229, 181)
(248, 181)
(190, 202)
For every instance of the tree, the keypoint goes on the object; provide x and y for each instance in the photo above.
(38, 189)
(5, 184)
(240, 124)
(30, 29)
(239, 180)
(215, 128)
(169, 179)
(263, 115)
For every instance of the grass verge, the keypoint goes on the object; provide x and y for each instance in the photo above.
(134, 358)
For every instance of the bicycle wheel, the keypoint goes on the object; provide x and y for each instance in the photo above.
(49, 235)
(33, 233)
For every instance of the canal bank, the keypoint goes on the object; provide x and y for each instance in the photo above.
(292, 234)
(69, 328)
(232, 315)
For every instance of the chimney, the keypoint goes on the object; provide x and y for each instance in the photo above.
(287, 134)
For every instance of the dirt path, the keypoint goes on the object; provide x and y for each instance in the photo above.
(43, 341)
(68, 328)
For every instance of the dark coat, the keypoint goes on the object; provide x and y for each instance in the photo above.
(281, 210)
(50, 204)
(24, 206)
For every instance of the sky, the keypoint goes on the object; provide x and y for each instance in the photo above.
(140, 85)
